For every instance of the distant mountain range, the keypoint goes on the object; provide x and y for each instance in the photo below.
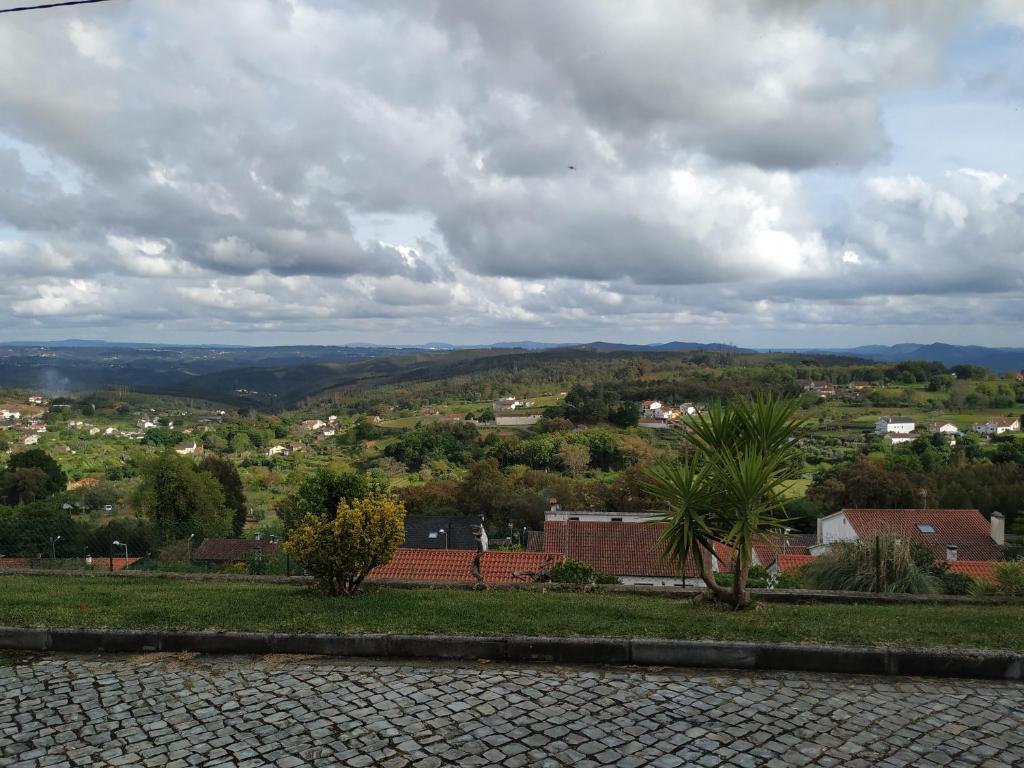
(1000, 359)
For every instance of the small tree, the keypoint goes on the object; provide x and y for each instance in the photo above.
(730, 488)
(575, 458)
(1007, 580)
(340, 551)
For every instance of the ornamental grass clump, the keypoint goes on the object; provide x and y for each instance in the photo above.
(880, 564)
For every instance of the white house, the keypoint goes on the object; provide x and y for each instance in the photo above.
(648, 408)
(998, 426)
(948, 533)
(94, 430)
(110, 431)
(9, 415)
(145, 424)
(506, 404)
(187, 449)
(277, 450)
(31, 440)
(944, 428)
(313, 424)
(688, 409)
(894, 424)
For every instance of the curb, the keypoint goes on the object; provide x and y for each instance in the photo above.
(992, 665)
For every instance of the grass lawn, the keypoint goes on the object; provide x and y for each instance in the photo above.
(55, 601)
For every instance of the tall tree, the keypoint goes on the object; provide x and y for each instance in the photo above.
(181, 500)
(231, 486)
(56, 480)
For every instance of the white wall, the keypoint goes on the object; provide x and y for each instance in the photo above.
(837, 528)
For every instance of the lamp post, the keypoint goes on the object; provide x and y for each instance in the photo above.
(190, 537)
(120, 544)
(442, 530)
(53, 547)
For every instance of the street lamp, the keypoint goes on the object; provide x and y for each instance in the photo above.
(120, 544)
(442, 530)
(53, 547)
(190, 537)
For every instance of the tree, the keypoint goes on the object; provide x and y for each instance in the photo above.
(23, 486)
(322, 492)
(340, 551)
(181, 500)
(231, 486)
(730, 488)
(162, 437)
(56, 480)
(575, 458)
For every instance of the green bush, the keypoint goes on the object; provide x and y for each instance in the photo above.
(575, 572)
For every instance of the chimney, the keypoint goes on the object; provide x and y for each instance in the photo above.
(998, 523)
(951, 552)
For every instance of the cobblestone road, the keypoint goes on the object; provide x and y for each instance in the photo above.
(170, 710)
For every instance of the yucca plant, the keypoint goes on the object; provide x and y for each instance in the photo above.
(881, 564)
(730, 486)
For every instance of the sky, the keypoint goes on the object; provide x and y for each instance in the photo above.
(784, 173)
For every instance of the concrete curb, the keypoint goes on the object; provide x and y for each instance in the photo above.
(993, 665)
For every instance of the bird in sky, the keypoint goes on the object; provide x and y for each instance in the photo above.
(572, 167)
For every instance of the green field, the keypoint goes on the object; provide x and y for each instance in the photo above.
(150, 603)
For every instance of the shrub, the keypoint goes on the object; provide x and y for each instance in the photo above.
(340, 551)
(575, 572)
(882, 565)
(1007, 581)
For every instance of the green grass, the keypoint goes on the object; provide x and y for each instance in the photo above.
(176, 604)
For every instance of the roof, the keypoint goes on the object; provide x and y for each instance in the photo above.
(14, 563)
(791, 562)
(456, 565)
(896, 420)
(535, 541)
(614, 549)
(966, 528)
(979, 570)
(233, 550)
(459, 530)
(1004, 421)
(766, 550)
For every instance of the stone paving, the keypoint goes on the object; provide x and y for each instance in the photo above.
(185, 710)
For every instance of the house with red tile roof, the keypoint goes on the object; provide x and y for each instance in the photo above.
(455, 565)
(233, 550)
(14, 564)
(951, 534)
(632, 552)
(767, 550)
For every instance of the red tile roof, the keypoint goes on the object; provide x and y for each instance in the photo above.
(232, 550)
(979, 570)
(766, 550)
(792, 562)
(456, 565)
(620, 549)
(966, 528)
(14, 564)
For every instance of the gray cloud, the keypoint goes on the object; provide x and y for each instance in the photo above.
(205, 169)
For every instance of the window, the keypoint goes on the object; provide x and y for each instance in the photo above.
(616, 519)
(574, 518)
(925, 528)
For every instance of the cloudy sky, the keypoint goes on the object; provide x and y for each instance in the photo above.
(784, 173)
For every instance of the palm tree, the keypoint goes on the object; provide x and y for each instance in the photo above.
(729, 487)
